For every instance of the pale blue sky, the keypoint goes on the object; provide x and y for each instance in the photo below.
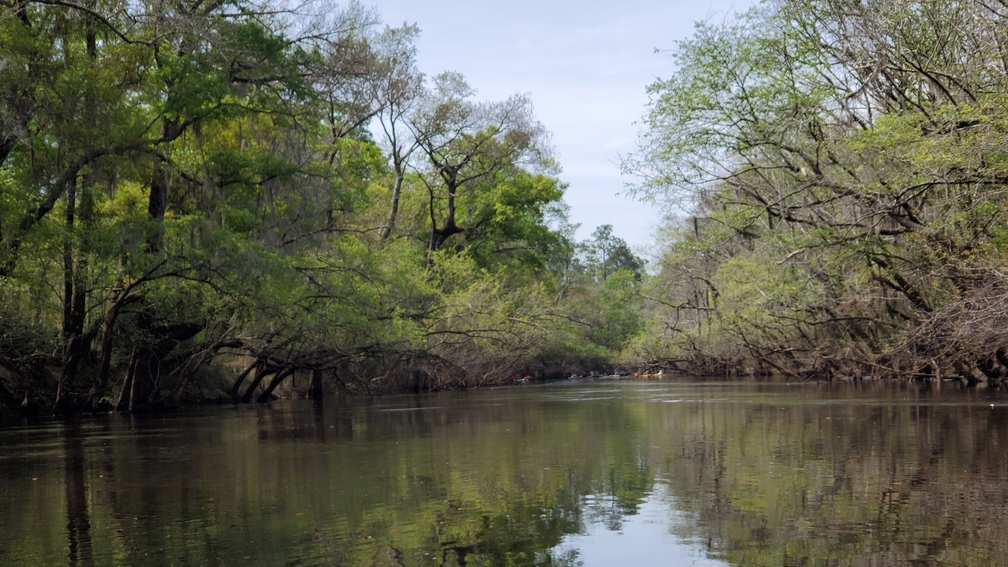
(585, 64)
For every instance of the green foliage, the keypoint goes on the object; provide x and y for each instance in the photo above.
(845, 166)
(182, 186)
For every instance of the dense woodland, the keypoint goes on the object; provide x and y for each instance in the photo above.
(844, 164)
(213, 200)
(240, 200)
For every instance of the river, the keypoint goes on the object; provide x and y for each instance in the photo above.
(593, 474)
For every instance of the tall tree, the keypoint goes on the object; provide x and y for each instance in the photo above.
(465, 142)
(400, 88)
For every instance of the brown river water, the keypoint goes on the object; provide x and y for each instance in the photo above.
(595, 474)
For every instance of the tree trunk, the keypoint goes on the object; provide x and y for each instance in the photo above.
(439, 236)
(236, 386)
(68, 372)
(145, 366)
(108, 332)
(157, 204)
(396, 192)
(74, 310)
(261, 373)
(157, 201)
(75, 262)
(315, 385)
(142, 378)
(1002, 357)
(276, 381)
(122, 403)
(415, 380)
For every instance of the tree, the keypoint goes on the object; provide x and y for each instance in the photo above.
(465, 143)
(171, 141)
(607, 254)
(846, 146)
(399, 89)
(182, 185)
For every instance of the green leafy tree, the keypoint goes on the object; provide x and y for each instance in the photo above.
(844, 147)
(606, 254)
(465, 144)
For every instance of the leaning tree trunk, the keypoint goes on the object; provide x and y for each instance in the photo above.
(276, 381)
(256, 365)
(122, 402)
(261, 373)
(140, 387)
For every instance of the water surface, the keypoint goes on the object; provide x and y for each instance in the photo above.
(603, 473)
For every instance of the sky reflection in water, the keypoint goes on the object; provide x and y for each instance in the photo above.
(645, 538)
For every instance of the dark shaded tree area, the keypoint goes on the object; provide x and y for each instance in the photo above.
(844, 166)
(193, 205)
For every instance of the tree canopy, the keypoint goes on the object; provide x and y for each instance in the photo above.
(188, 190)
(842, 163)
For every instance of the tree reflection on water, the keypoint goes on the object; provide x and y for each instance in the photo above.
(702, 474)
